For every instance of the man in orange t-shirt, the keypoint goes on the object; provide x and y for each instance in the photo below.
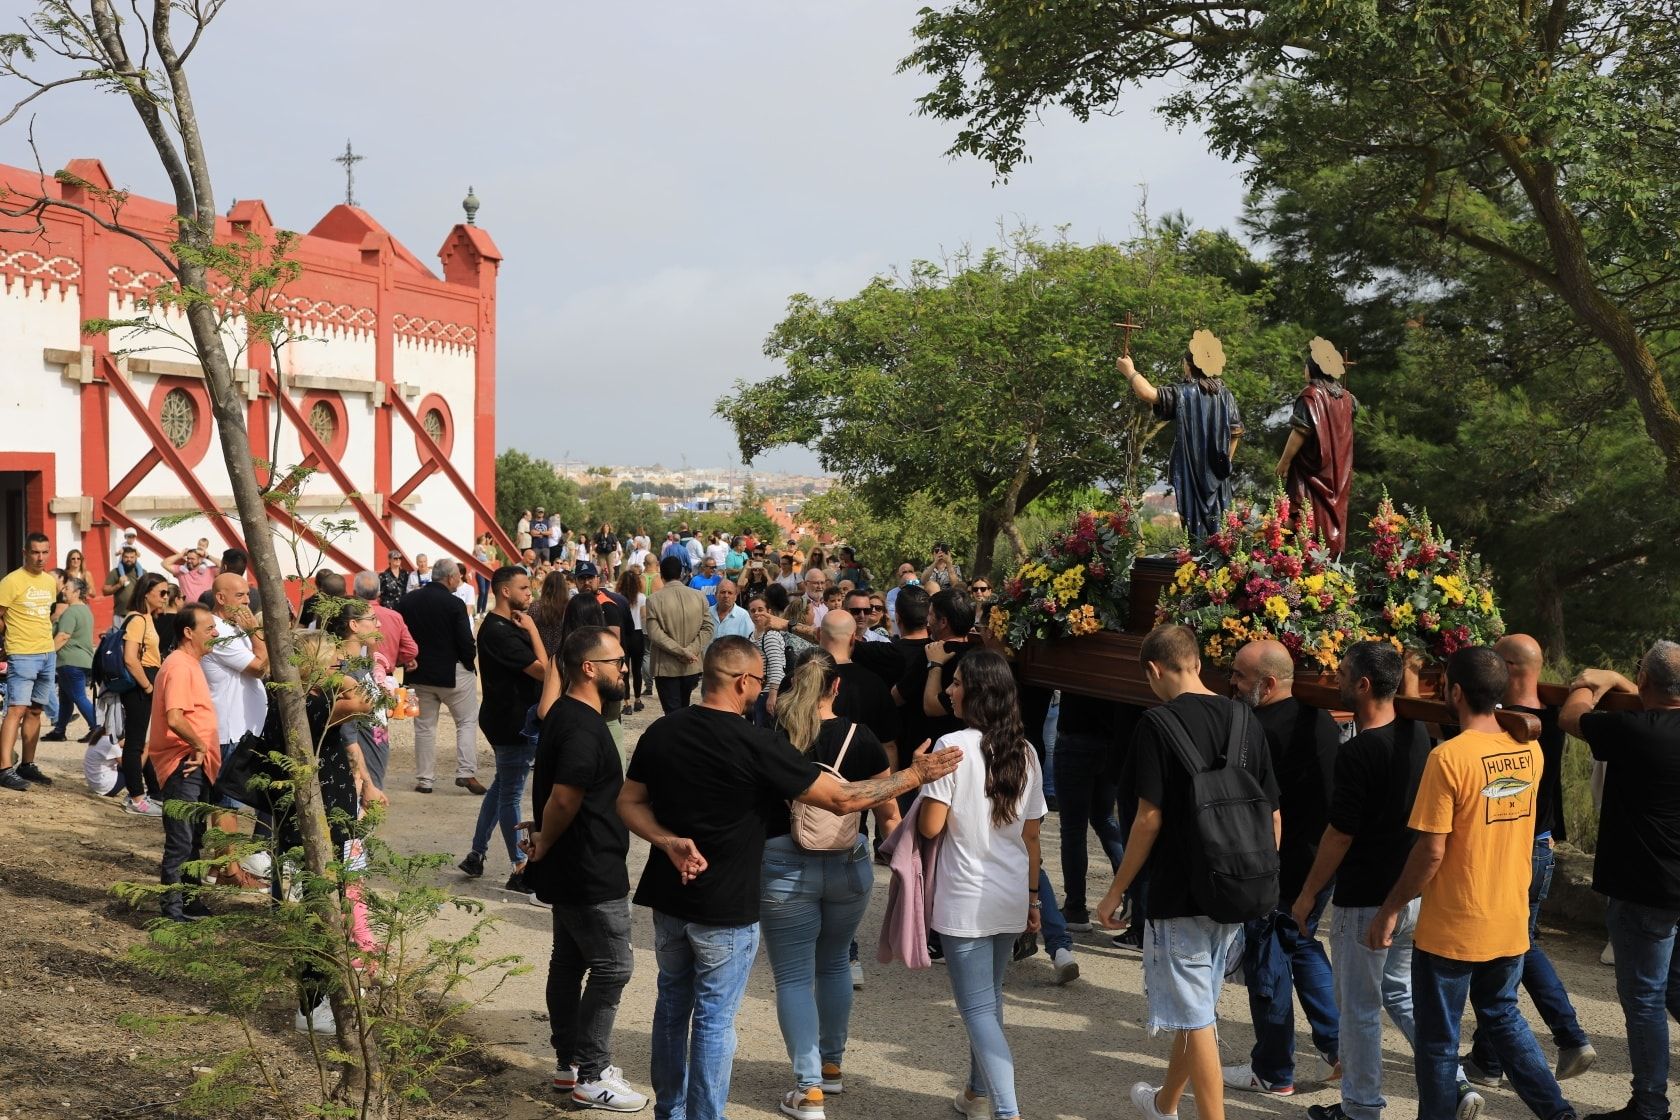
(184, 748)
(1474, 815)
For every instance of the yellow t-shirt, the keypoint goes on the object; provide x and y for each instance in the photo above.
(1480, 789)
(140, 625)
(28, 603)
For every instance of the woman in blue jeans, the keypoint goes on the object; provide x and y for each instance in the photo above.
(811, 902)
(986, 886)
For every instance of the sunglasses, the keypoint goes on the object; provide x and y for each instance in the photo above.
(859, 612)
(980, 587)
(621, 662)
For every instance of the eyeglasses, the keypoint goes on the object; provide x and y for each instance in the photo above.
(621, 662)
(858, 612)
(752, 676)
(980, 587)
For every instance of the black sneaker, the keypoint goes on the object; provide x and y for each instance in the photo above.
(1129, 942)
(473, 865)
(196, 909)
(9, 780)
(935, 952)
(1025, 946)
(1078, 921)
(30, 772)
(516, 883)
(1326, 1112)
(53, 737)
(1626, 1112)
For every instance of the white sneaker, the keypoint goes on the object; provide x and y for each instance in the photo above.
(535, 901)
(142, 806)
(565, 1078)
(1143, 1099)
(857, 976)
(1242, 1076)
(609, 1092)
(1067, 969)
(976, 1108)
(318, 1021)
(1609, 954)
(1470, 1104)
(260, 864)
(1573, 1061)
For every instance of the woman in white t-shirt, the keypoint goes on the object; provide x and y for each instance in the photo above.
(986, 890)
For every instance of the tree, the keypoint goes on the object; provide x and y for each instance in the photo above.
(1538, 135)
(989, 379)
(145, 61)
(524, 483)
(907, 532)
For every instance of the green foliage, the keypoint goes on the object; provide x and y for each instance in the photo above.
(1539, 138)
(524, 483)
(884, 538)
(989, 379)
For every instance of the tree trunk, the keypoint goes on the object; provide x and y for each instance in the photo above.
(1548, 603)
(985, 542)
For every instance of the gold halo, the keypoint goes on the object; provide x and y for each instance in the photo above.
(1327, 357)
(1208, 353)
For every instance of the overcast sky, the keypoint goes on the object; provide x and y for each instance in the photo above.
(660, 177)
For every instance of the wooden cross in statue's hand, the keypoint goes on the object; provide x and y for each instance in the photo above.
(1127, 326)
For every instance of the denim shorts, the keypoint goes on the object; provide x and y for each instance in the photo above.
(1183, 969)
(31, 680)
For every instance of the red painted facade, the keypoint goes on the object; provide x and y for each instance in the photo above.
(357, 282)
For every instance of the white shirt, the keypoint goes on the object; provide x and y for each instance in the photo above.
(240, 701)
(466, 595)
(719, 552)
(639, 558)
(982, 886)
(101, 765)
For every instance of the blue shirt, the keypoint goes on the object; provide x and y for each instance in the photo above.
(707, 584)
(737, 622)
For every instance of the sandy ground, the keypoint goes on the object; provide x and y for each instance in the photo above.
(1078, 1048)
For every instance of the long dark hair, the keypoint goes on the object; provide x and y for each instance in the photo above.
(990, 707)
(143, 589)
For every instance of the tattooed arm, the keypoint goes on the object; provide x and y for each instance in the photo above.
(829, 792)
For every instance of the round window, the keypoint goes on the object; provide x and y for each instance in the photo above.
(433, 423)
(178, 416)
(323, 421)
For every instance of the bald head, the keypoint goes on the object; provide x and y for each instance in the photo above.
(230, 592)
(1523, 661)
(836, 633)
(1263, 673)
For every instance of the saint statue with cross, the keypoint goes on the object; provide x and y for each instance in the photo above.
(1207, 428)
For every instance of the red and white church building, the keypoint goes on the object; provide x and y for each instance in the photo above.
(389, 393)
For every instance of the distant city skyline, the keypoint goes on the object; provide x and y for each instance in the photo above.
(658, 197)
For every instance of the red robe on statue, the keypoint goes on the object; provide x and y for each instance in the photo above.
(1322, 471)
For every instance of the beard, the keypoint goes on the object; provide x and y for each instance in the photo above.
(609, 691)
(1250, 697)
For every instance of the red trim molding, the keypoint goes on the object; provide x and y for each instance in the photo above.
(341, 419)
(38, 492)
(428, 403)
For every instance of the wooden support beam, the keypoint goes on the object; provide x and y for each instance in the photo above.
(1555, 694)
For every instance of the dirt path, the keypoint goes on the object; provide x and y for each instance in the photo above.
(1077, 1048)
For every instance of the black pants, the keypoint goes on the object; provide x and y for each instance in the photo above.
(675, 692)
(137, 724)
(181, 836)
(592, 939)
(635, 647)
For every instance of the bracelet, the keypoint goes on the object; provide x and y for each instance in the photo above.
(1035, 905)
(1032, 890)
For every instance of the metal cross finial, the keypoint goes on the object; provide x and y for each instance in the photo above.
(349, 159)
(1127, 326)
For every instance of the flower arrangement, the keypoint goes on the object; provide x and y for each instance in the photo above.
(1262, 576)
(1076, 585)
(1428, 596)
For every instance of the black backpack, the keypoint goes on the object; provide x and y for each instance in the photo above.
(1233, 853)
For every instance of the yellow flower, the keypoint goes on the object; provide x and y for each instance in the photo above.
(1185, 573)
(1486, 601)
(1402, 615)
(1313, 584)
(1452, 589)
(1278, 607)
(1411, 573)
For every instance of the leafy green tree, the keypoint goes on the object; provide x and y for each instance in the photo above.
(1537, 135)
(906, 532)
(524, 483)
(989, 379)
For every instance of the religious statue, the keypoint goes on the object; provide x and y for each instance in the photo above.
(1317, 462)
(1207, 429)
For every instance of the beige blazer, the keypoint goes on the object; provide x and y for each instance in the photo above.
(678, 622)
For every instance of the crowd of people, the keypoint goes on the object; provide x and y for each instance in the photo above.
(801, 701)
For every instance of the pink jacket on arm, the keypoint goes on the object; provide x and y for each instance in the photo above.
(914, 862)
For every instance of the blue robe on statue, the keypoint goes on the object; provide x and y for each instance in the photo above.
(1200, 469)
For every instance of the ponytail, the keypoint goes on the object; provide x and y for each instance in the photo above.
(799, 701)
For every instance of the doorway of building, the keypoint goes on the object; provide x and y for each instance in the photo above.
(14, 515)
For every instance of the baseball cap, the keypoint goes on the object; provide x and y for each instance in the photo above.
(585, 570)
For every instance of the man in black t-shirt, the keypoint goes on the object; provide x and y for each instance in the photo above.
(511, 666)
(1185, 950)
(1524, 660)
(951, 627)
(1637, 864)
(862, 698)
(1283, 959)
(701, 787)
(1363, 849)
(578, 852)
(615, 611)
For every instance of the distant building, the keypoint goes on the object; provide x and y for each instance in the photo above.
(392, 398)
